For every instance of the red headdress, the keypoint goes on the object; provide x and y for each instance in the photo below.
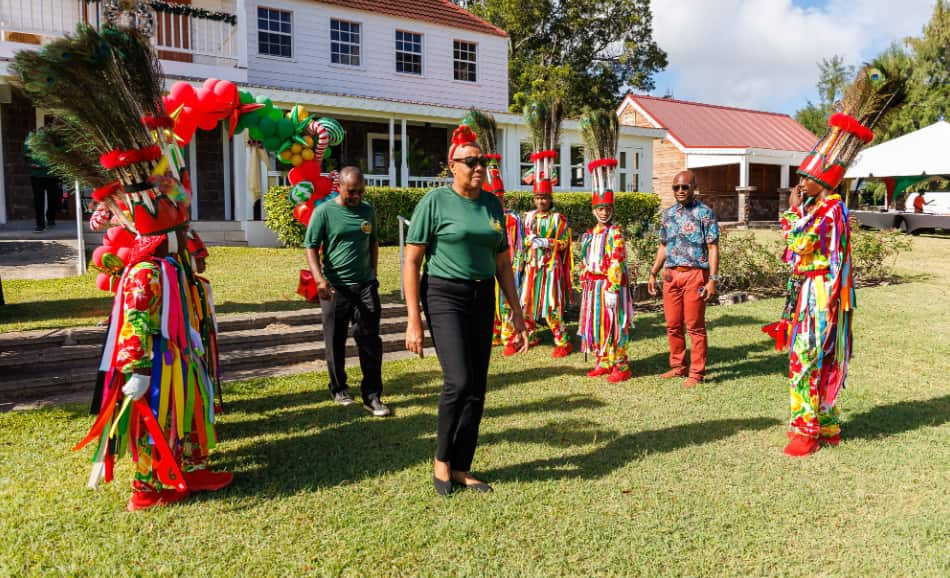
(461, 136)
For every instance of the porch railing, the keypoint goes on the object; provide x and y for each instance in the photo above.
(174, 33)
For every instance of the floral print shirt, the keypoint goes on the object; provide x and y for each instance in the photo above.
(686, 230)
(141, 317)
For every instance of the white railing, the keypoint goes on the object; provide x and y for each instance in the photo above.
(174, 33)
(377, 180)
(427, 182)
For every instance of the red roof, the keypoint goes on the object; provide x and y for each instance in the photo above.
(697, 125)
(436, 11)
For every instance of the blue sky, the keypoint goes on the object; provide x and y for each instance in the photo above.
(763, 54)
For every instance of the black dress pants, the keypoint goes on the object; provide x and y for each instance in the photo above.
(359, 305)
(47, 198)
(460, 314)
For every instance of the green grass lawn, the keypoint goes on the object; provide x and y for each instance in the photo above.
(640, 478)
(244, 279)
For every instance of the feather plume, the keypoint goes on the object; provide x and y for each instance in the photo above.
(600, 130)
(65, 151)
(543, 115)
(875, 93)
(485, 127)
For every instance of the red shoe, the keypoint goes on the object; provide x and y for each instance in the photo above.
(207, 481)
(598, 371)
(509, 350)
(562, 350)
(832, 440)
(143, 500)
(802, 446)
(616, 376)
(691, 382)
(673, 373)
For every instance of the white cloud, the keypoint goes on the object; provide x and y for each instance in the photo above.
(763, 53)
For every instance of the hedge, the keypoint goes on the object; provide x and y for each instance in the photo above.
(630, 209)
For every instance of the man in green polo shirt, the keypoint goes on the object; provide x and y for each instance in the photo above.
(344, 230)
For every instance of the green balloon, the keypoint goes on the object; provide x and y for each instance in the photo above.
(255, 133)
(275, 114)
(272, 144)
(265, 101)
(246, 97)
(285, 128)
(267, 127)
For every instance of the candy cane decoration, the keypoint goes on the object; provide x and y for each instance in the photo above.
(335, 176)
(323, 139)
(100, 218)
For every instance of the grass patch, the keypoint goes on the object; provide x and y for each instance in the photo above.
(641, 478)
(245, 280)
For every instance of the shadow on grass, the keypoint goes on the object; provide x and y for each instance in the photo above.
(619, 451)
(896, 418)
(350, 450)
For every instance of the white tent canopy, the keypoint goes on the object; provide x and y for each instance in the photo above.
(922, 152)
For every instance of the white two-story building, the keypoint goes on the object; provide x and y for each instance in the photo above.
(398, 74)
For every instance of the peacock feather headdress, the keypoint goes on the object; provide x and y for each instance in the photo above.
(486, 130)
(600, 131)
(105, 89)
(543, 115)
(875, 94)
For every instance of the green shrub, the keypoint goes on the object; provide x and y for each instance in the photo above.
(279, 217)
(746, 264)
(631, 209)
(874, 252)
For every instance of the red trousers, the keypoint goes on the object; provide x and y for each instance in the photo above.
(683, 305)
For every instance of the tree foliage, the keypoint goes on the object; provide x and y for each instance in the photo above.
(585, 52)
(923, 60)
(833, 78)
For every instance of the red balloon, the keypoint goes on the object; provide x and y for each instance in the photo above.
(208, 122)
(186, 124)
(210, 83)
(322, 187)
(119, 237)
(123, 254)
(183, 93)
(302, 213)
(306, 171)
(226, 92)
(98, 253)
(205, 100)
(104, 282)
(171, 105)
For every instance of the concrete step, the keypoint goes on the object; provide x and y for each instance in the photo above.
(236, 364)
(238, 322)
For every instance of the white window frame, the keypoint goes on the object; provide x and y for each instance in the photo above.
(358, 45)
(581, 166)
(632, 172)
(371, 137)
(421, 53)
(524, 166)
(475, 61)
(289, 35)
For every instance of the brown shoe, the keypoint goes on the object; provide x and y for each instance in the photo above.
(691, 382)
(673, 373)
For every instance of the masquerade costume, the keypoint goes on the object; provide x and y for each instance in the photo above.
(157, 397)
(606, 315)
(548, 260)
(485, 128)
(819, 247)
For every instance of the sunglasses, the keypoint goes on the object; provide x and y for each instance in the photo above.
(472, 162)
(678, 188)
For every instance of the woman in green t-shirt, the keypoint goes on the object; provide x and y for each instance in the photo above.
(460, 232)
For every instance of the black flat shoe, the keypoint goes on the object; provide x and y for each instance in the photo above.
(480, 487)
(442, 487)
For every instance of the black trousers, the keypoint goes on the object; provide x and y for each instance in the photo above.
(359, 305)
(460, 315)
(48, 194)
